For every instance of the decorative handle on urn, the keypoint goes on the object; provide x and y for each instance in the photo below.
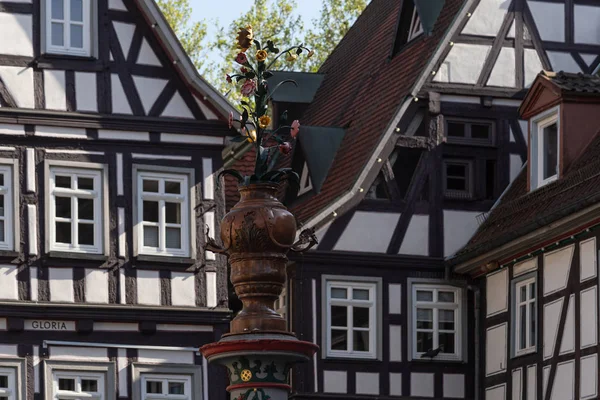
(306, 241)
(212, 245)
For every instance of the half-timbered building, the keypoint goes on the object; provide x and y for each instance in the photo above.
(406, 140)
(535, 258)
(109, 145)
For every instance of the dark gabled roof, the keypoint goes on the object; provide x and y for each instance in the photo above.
(580, 83)
(303, 93)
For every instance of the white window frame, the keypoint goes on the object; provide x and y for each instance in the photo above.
(468, 139)
(165, 379)
(540, 126)
(435, 306)
(372, 304)
(416, 28)
(11, 393)
(517, 285)
(77, 393)
(15, 369)
(87, 25)
(103, 371)
(305, 181)
(10, 190)
(191, 373)
(186, 200)
(98, 174)
(459, 194)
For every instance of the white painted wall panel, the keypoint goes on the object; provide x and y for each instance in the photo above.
(120, 104)
(96, 286)
(563, 62)
(533, 66)
(93, 354)
(497, 292)
(367, 383)
(567, 344)
(16, 33)
(116, 326)
(563, 388)
(208, 179)
(454, 386)
(335, 381)
(165, 356)
(183, 289)
(149, 89)
(588, 380)
(123, 135)
(525, 266)
(122, 232)
(8, 350)
(395, 384)
(416, 239)
(516, 164)
(147, 55)
(587, 24)
(549, 19)
(551, 318)
(148, 287)
(545, 374)
(211, 289)
(55, 89)
(587, 259)
(557, 265)
(208, 113)
(495, 345)
(61, 284)
(177, 108)
(395, 343)
(588, 58)
(395, 297)
(532, 382)
(421, 384)
(463, 63)
(122, 364)
(496, 392)
(7, 129)
(368, 231)
(60, 132)
(9, 288)
(503, 73)
(589, 317)
(459, 226)
(33, 281)
(487, 18)
(85, 91)
(36, 369)
(19, 82)
(116, 5)
(125, 34)
(209, 221)
(517, 385)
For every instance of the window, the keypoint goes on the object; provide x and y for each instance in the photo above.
(409, 26)
(458, 181)
(525, 315)
(152, 382)
(351, 319)
(6, 208)
(163, 208)
(436, 321)
(8, 384)
(68, 27)
(415, 26)
(76, 210)
(67, 380)
(305, 182)
(166, 387)
(470, 132)
(545, 147)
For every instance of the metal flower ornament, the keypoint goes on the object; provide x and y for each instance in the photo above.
(254, 63)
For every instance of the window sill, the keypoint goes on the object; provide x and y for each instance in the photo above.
(69, 61)
(349, 358)
(77, 256)
(9, 254)
(418, 359)
(524, 353)
(160, 262)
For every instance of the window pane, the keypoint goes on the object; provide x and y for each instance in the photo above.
(424, 341)
(446, 297)
(456, 129)
(86, 234)
(446, 319)
(63, 232)
(85, 183)
(523, 291)
(523, 327)
(89, 385)
(1, 205)
(480, 131)
(360, 294)
(424, 318)
(172, 187)
(173, 239)
(2, 235)
(456, 170)
(63, 207)
(154, 387)
(532, 325)
(85, 208)
(339, 293)
(447, 340)
(532, 290)
(550, 150)
(150, 186)
(360, 317)
(57, 33)
(77, 36)
(66, 384)
(77, 10)
(151, 236)
(150, 211)
(62, 181)
(176, 388)
(339, 316)
(173, 213)
(1, 179)
(424, 295)
(456, 184)
(339, 339)
(361, 341)
(58, 11)
(3, 381)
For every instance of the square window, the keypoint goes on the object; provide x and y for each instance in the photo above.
(524, 315)
(436, 321)
(7, 212)
(480, 133)
(79, 380)
(158, 386)
(76, 210)
(457, 179)
(68, 27)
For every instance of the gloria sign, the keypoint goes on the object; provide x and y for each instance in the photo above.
(46, 325)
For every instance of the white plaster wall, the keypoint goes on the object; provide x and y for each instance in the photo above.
(587, 24)
(122, 364)
(512, 31)
(545, 374)
(183, 289)
(496, 392)
(503, 73)
(532, 382)
(395, 384)
(495, 349)
(123, 135)
(149, 89)
(55, 89)
(557, 265)
(549, 19)
(60, 132)
(588, 379)
(8, 283)
(208, 113)
(551, 319)
(395, 342)
(487, 18)
(165, 356)
(85, 91)
(147, 55)
(367, 383)
(568, 341)
(125, 34)
(61, 284)
(459, 226)
(524, 128)
(148, 287)
(588, 58)
(120, 104)
(8, 350)
(497, 292)
(589, 318)
(525, 266)
(33, 281)
(93, 354)
(335, 382)
(454, 386)
(116, 5)
(563, 62)
(515, 166)
(16, 34)
(368, 231)
(19, 82)
(116, 326)
(96, 286)
(395, 297)
(7, 129)
(517, 388)
(421, 384)
(533, 66)
(416, 239)
(177, 108)
(463, 63)
(587, 257)
(563, 388)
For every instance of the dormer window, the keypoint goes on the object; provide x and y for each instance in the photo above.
(68, 27)
(409, 26)
(305, 182)
(415, 26)
(544, 148)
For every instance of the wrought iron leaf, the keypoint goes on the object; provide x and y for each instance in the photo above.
(233, 173)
